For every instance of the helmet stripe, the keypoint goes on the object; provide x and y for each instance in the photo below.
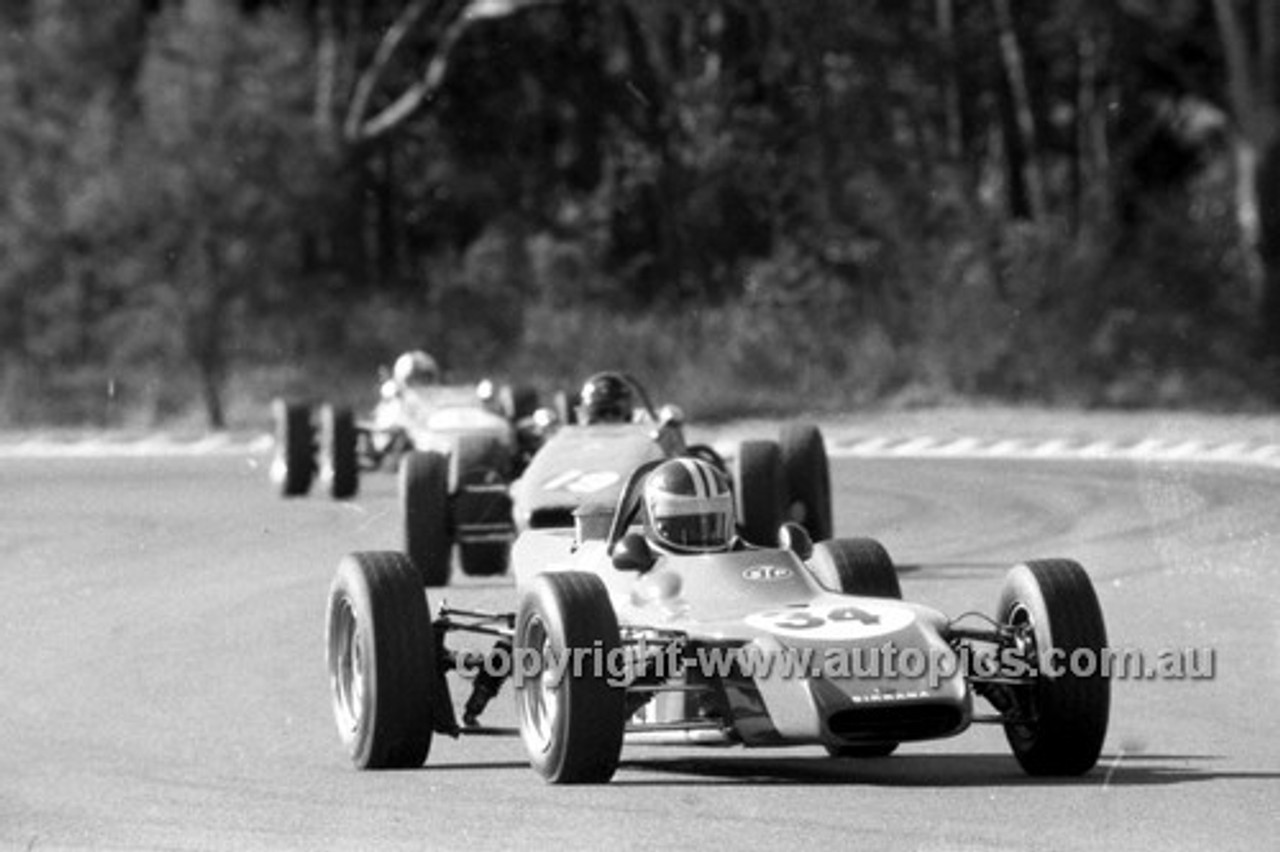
(695, 478)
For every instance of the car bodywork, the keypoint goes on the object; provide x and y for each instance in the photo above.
(649, 625)
(477, 426)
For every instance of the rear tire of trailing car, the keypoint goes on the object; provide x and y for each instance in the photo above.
(572, 726)
(293, 465)
(759, 484)
(382, 661)
(339, 466)
(424, 501)
(804, 458)
(857, 566)
(1056, 599)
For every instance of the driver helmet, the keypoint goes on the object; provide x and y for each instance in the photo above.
(416, 368)
(689, 507)
(606, 398)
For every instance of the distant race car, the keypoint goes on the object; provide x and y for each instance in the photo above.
(645, 627)
(582, 461)
(483, 430)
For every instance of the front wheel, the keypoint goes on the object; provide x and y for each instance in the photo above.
(1059, 721)
(855, 566)
(382, 661)
(571, 717)
(293, 465)
(339, 460)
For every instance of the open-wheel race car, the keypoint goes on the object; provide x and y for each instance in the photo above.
(650, 622)
(483, 427)
(614, 430)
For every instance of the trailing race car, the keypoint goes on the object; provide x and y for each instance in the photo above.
(614, 430)
(652, 623)
(483, 426)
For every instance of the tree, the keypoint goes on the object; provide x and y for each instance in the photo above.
(222, 172)
(1250, 34)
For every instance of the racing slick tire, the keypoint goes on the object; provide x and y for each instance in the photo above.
(424, 503)
(804, 459)
(759, 485)
(484, 558)
(381, 659)
(855, 566)
(1061, 720)
(571, 721)
(293, 465)
(339, 461)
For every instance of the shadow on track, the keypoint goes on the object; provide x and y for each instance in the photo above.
(958, 770)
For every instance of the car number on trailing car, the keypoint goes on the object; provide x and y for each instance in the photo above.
(582, 482)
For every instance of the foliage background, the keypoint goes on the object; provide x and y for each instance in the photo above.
(754, 205)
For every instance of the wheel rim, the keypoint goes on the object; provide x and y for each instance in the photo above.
(1020, 617)
(540, 696)
(348, 668)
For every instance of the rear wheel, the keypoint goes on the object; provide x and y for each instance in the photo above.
(382, 661)
(1060, 721)
(424, 502)
(339, 464)
(804, 458)
(293, 464)
(760, 491)
(571, 721)
(856, 566)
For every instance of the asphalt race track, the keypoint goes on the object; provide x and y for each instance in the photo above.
(162, 682)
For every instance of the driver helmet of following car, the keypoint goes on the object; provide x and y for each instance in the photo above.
(606, 398)
(688, 507)
(416, 368)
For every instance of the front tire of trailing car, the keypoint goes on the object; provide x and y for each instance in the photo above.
(424, 503)
(293, 463)
(382, 662)
(808, 475)
(339, 463)
(571, 720)
(759, 484)
(1060, 721)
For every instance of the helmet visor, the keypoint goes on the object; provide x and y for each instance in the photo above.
(693, 531)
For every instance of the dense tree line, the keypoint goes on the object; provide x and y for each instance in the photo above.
(1072, 200)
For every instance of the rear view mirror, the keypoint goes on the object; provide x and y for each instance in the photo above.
(632, 553)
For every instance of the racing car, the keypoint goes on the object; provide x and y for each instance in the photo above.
(474, 426)
(648, 593)
(587, 459)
